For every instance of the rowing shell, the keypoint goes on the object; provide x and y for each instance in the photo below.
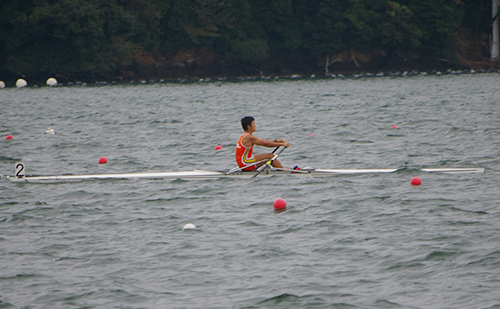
(190, 175)
(204, 174)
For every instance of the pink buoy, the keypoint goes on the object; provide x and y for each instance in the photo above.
(279, 204)
(415, 181)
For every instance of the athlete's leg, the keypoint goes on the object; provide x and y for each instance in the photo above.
(267, 156)
(277, 164)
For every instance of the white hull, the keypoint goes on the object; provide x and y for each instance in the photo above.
(203, 174)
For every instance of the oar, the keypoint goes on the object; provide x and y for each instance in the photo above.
(268, 163)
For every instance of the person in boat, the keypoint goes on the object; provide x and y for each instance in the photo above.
(244, 147)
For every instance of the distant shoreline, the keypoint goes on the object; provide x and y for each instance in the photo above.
(218, 81)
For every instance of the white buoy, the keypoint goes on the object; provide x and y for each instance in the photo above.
(52, 82)
(20, 83)
(50, 131)
(189, 226)
(2, 84)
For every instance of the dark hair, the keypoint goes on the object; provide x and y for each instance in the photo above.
(246, 121)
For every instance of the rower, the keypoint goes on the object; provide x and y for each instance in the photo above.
(244, 147)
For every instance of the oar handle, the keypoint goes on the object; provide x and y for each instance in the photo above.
(278, 153)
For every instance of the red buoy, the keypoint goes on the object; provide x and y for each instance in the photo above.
(218, 147)
(415, 181)
(9, 137)
(103, 160)
(279, 204)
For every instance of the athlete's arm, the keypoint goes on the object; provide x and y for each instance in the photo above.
(264, 142)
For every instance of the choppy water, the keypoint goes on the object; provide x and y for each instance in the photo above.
(360, 241)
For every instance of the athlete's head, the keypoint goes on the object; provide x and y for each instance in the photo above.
(246, 122)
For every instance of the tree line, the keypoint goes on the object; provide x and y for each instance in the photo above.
(93, 38)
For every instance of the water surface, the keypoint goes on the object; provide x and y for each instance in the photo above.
(351, 241)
